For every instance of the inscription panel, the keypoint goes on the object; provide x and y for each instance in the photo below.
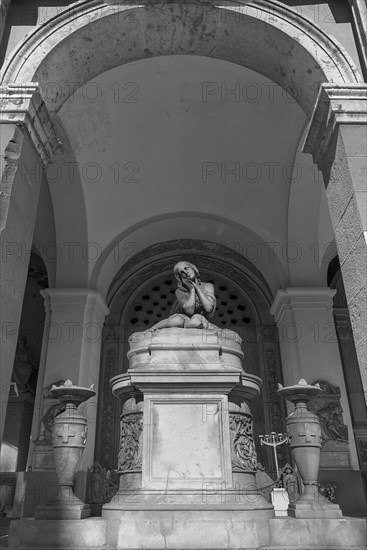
(187, 442)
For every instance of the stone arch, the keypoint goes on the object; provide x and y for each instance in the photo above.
(123, 253)
(153, 260)
(151, 268)
(294, 53)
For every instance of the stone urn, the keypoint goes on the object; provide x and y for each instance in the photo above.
(304, 435)
(69, 434)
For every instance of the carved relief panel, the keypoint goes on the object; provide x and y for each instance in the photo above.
(334, 433)
(243, 453)
(131, 440)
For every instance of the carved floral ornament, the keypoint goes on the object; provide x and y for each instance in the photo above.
(243, 451)
(130, 454)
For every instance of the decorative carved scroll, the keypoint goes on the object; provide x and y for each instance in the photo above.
(130, 454)
(243, 451)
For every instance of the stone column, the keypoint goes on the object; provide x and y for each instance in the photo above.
(74, 344)
(308, 343)
(28, 142)
(337, 139)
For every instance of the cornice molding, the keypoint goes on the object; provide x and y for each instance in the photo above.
(335, 105)
(291, 299)
(22, 105)
(77, 299)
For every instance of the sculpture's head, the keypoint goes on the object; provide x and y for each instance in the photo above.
(184, 271)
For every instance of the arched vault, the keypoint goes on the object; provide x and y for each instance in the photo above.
(266, 36)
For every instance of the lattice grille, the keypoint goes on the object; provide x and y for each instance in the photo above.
(157, 299)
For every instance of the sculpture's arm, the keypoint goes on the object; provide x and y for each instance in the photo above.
(207, 298)
(188, 306)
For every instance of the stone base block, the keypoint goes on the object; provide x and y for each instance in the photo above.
(184, 530)
(280, 500)
(58, 534)
(309, 534)
(231, 531)
(314, 510)
(63, 511)
(180, 530)
(213, 498)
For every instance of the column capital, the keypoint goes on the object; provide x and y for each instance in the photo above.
(290, 299)
(22, 105)
(335, 105)
(68, 299)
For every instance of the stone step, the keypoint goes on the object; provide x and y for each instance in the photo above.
(175, 531)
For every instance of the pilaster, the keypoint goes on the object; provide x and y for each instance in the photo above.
(301, 314)
(308, 343)
(337, 140)
(27, 135)
(74, 343)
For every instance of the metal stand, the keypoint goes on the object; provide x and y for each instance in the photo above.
(274, 440)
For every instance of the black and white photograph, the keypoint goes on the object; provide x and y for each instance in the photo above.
(183, 222)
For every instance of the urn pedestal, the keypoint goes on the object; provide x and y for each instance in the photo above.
(187, 449)
(69, 435)
(304, 435)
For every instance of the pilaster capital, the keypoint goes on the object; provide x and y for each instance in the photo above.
(291, 299)
(22, 105)
(83, 300)
(335, 105)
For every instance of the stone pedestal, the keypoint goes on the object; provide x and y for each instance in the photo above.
(304, 435)
(186, 444)
(69, 435)
(280, 500)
